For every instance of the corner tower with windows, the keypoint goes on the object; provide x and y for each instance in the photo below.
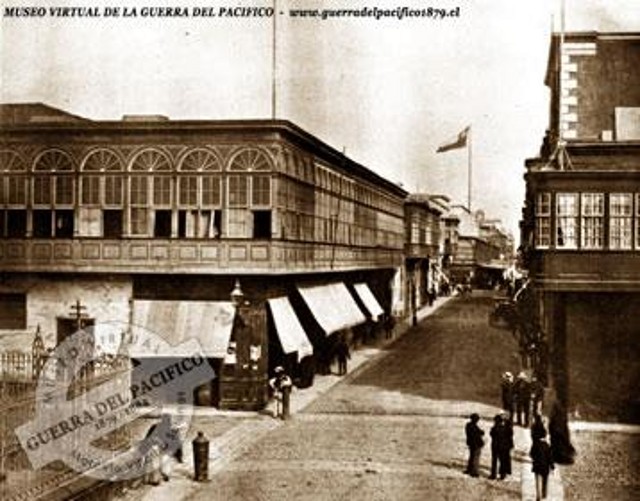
(581, 224)
(156, 221)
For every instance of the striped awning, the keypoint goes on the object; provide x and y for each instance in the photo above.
(290, 331)
(332, 306)
(176, 322)
(369, 300)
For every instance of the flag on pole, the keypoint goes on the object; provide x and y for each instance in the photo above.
(459, 142)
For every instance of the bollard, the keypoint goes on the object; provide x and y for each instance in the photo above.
(200, 458)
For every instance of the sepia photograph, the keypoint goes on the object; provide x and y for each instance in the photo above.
(319, 250)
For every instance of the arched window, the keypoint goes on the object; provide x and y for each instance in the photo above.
(249, 194)
(102, 179)
(101, 195)
(150, 186)
(199, 195)
(13, 195)
(53, 195)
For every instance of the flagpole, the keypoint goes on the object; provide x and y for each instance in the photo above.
(273, 61)
(469, 160)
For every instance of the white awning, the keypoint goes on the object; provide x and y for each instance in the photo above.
(176, 322)
(290, 331)
(369, 300)
(332, 306)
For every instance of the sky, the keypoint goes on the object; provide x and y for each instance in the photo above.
(387, 92)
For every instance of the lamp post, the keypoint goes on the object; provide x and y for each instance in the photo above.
(237, 296)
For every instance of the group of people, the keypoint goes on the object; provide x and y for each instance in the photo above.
(521, 397)
(501, 434)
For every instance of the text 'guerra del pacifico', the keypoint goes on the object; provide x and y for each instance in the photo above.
(134, 11)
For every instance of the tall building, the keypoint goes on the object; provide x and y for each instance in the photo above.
(252, 236)
(581, 224)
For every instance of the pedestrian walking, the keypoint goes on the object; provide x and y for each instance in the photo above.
(542, 465)
(538, 429)
(507, 390)
(281, 385)
(522, 391)
(475, 442)
(501, 444)
(343, 355)
(389, 325)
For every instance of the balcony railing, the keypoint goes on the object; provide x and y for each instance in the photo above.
(187, 256)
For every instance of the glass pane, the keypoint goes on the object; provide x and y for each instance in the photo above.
(91, 190)
(238, 191)
(211, 189)
(261, 190)
(42, 190)
(139, 190)
(161, 190)
(188, 190)
(113, 191)
(64, 190)
(567, 204)
(17, 187)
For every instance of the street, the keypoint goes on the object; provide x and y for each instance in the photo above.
(395, 428)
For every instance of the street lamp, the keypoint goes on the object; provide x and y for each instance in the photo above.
(237, 296)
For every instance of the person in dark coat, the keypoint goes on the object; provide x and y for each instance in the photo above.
(542, 460)
(507, 390)
(538, 429)
(343, 355)
(475, 442)
(389, 325)
(501, 445)
(522, 389)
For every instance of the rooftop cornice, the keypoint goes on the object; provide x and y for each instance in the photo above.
(284, 128)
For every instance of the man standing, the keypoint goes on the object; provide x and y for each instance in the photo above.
(342, 354)
(507, 394)
(523, 399)
(474, 442)
(501, 445)
(281, 385)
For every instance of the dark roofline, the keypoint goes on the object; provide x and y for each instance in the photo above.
(33, 108)
(285, 128)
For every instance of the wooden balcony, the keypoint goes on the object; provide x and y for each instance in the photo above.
(421, 250)
(190, 256)
(593, 271)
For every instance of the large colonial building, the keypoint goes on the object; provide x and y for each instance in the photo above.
(581, 226)
(152, 222)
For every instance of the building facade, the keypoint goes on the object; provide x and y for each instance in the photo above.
(581, 225)
(476, 248)
(424, 248)
(155, 222)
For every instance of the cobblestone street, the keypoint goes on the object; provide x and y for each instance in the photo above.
(393, 429)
